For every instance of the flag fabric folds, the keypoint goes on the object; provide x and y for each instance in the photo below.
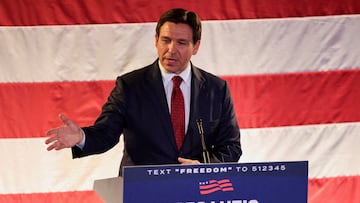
(293, 69)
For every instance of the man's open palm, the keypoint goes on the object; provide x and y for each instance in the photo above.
(65, 136)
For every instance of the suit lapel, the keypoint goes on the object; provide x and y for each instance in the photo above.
(156, 87)
(197, 92)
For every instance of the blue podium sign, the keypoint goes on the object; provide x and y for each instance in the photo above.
(270, 182)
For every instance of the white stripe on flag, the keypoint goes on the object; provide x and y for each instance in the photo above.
(33, 169)
(101, 52)
(331, 149)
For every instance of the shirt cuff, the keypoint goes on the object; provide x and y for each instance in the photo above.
(82, 143)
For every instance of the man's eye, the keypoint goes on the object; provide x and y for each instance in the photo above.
(165, 41)
(182, 42)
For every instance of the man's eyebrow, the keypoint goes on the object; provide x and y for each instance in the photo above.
(180, 39)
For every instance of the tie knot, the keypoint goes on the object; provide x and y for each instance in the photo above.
(177, 81)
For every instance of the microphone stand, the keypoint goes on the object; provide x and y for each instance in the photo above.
(205, 153)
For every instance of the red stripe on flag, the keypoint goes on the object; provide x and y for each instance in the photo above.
(335, 190)
(209, 191)
(55, 197)
(45, 12)
(296, 99)
(30, 109)
(260, 101)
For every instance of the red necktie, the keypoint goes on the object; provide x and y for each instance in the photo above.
(178, 111)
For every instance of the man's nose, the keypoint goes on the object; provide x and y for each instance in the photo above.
(172, 47)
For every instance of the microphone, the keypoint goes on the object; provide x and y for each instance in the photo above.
(205, 153)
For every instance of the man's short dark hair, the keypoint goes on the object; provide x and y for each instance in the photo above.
(179, 15)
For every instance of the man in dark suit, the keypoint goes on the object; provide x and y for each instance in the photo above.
(141, 107)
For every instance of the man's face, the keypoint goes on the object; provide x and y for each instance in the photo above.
(175, 46)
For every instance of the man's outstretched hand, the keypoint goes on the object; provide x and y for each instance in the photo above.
(65, 136)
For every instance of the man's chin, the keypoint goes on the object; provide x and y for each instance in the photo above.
(169, 66)
(172, 69)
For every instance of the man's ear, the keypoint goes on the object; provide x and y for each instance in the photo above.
(196, 47)
(156, 39)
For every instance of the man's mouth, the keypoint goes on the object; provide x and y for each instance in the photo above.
(170, 60)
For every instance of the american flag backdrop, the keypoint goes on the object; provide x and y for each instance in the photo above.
(293, 68)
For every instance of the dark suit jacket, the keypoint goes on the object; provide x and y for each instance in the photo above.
(137, 107)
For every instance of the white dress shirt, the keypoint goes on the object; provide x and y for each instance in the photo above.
(185, 87)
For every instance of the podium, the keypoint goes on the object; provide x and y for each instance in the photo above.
(278, 182)
(110, 189)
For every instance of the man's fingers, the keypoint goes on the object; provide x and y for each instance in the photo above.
(56, 145)
(63, 118)
(187, 161)
(50, 140)
(67, 121)
(59, 146)
(51, 147)
(181, 160)
(52, 131)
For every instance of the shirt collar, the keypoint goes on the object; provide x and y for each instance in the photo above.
(185, 74)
